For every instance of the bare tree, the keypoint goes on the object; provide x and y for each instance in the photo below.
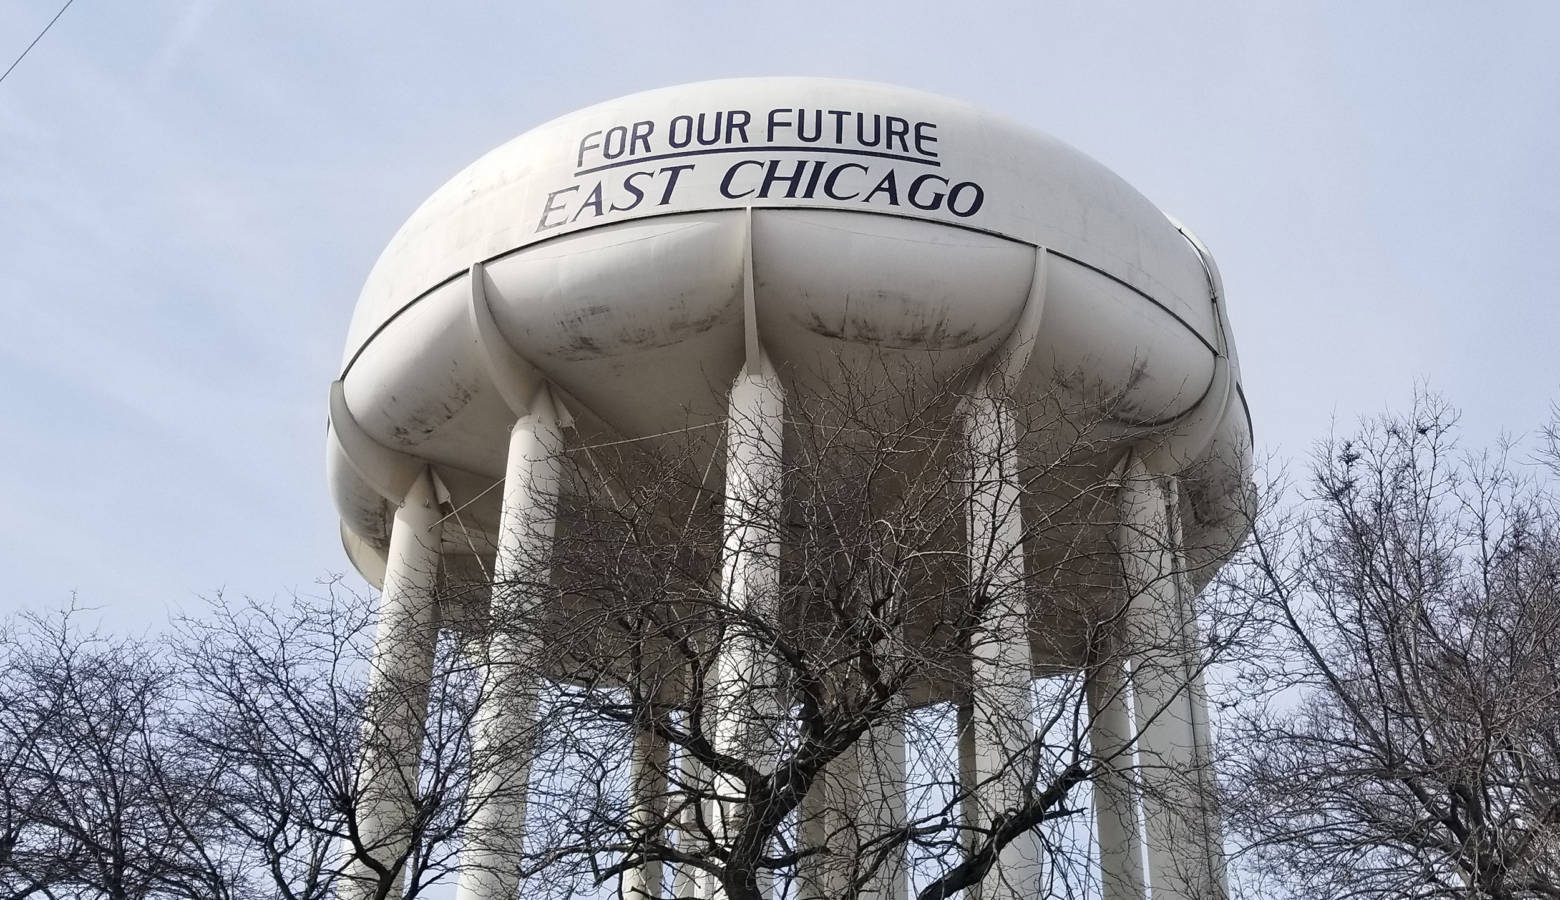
(97, 798)
(226, 760)
(1405, 735)
(281, 709)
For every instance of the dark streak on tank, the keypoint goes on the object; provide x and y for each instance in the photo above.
(590, 332)
(419, 425)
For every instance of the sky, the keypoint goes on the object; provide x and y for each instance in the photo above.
(192, 192)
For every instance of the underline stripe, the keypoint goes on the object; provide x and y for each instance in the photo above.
(786, 149)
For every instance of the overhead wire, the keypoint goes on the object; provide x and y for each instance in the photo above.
(35, 40)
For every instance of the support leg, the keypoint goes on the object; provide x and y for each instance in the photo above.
(748, 713)
(491, 856)
(397, 703)
(969, 779)
(881, 760)
(812, 833)
(647, 782)
(688, 881)
(1002, 707)
(1185, 861)
(858, 800)
(1202, 744)
(1115, 793)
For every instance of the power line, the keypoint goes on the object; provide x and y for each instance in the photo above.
(38, 38)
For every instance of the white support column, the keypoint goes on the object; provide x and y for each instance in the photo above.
(647, 786)
(814, 824)
(688, 881)
(494, 839)
(969, 806)
(1115, 792)
(397, 702)
(1185, 861)
(857, 800)
(881, 760)
(747, 706)
(1202, 744)
(1002, 705)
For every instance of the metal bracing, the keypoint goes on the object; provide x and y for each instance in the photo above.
(501, 747)
(397, 701)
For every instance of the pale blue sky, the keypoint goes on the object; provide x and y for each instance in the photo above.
(191, 194)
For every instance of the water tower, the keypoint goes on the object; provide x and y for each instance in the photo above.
(595, 276)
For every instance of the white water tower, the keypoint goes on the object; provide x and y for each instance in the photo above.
(604, 269)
